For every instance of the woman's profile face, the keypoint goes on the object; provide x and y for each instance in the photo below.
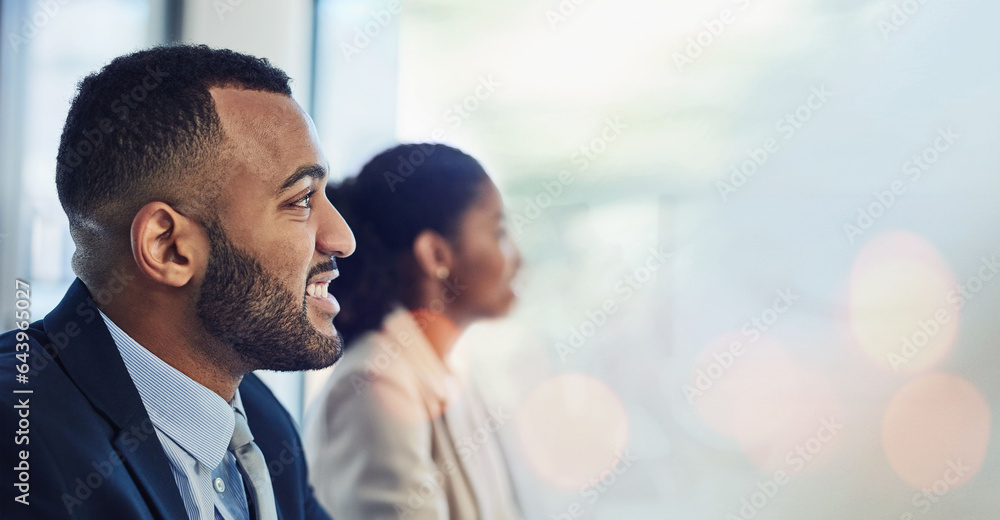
(486, 259)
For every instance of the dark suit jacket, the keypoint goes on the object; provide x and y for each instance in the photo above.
(90, 446)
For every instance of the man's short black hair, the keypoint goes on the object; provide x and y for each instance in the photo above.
(144, 128)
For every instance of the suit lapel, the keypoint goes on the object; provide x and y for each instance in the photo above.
(91, 359)
(142, 453)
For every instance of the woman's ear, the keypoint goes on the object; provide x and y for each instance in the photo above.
(167, 246)
(433, 254)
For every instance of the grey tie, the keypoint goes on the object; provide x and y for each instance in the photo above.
(251, 463)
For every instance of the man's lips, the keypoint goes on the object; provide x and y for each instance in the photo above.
(318, 291)
(323, 279)
(328, 276)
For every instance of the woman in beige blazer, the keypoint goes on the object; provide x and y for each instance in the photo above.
(395, 434)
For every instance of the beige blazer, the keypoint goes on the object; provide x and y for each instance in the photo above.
(395, 435)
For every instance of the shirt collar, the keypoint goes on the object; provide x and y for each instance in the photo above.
(194, 417)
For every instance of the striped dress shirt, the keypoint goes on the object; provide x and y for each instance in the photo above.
(194, 426)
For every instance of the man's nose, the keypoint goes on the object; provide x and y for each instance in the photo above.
(334, 237)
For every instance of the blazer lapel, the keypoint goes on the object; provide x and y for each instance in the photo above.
(142, 453)
(91, 359)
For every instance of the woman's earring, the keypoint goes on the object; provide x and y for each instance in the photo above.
(442, 272)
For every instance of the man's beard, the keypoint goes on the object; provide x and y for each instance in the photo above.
(248, 310)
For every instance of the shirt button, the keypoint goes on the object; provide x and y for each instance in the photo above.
(220, 486)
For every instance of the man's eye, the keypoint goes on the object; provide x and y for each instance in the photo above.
(304, 201)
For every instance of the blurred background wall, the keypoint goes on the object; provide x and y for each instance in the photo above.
(761, 236)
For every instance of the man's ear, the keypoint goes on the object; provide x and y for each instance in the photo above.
(167, 246)
(432, 252)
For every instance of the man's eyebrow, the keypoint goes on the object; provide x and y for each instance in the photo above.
(314, 171)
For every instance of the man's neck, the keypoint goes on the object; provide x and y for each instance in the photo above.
(180, 343)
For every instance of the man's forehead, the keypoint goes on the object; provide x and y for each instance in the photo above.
(267, 132)
(253, 110)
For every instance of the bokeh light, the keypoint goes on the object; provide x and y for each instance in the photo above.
(767, 402)
(573, 429)
(935, 431)
(900, 312)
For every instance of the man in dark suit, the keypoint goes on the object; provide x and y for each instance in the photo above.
(205, 244)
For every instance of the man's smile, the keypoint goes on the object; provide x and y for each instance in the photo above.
(318, 292)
